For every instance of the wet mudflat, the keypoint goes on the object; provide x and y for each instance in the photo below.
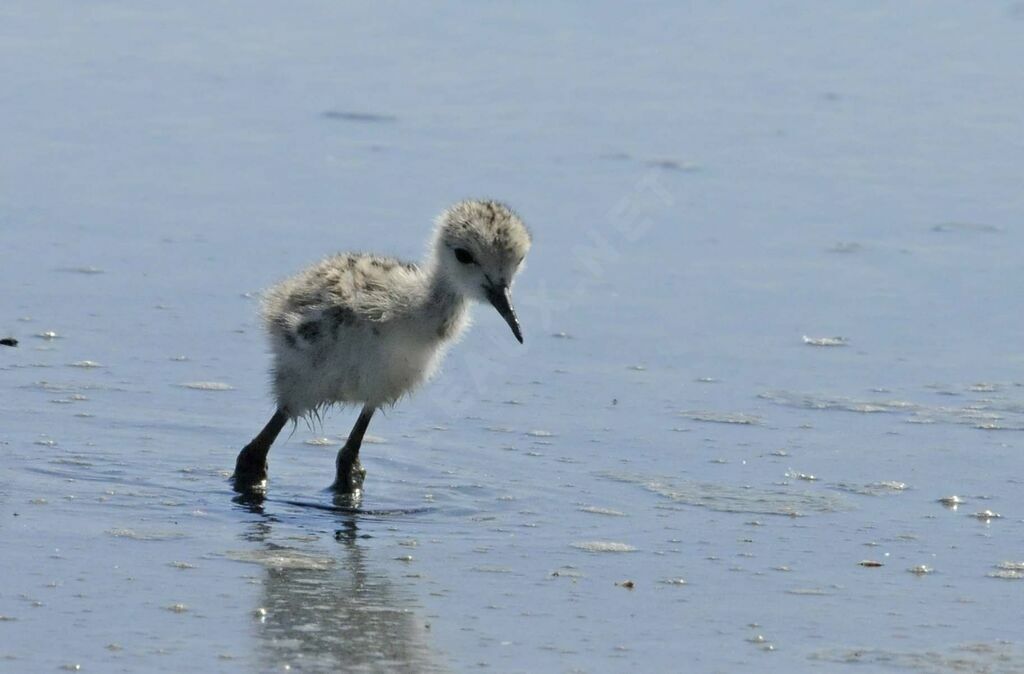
(769, 412)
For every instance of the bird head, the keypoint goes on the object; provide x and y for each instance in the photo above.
(480, 246)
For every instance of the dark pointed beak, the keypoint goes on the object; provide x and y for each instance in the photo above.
(501, 299)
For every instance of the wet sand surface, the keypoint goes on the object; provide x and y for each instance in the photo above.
(767, 416)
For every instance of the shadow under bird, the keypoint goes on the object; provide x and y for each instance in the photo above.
(365, 329)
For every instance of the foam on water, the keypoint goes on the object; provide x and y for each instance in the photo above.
(983, 414)
(736, 499)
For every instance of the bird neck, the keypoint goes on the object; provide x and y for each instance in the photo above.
(444, 300)
(444, 293)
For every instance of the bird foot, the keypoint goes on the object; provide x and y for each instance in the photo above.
(249, 484)
(349, 479)
(250, 474)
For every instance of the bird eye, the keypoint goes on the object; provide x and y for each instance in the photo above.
(464, 256)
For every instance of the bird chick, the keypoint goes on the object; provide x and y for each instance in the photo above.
(366, 329)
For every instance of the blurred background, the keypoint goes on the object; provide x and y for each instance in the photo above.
(776, 271)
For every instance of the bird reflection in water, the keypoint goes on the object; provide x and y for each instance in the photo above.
(332, 611)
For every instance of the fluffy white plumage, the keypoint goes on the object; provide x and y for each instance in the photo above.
(362, 328)
(367, 329)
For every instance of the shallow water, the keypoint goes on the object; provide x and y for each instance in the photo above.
(772, 318)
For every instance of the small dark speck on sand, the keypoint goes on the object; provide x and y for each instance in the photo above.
(349, 116)
(9, 341)
(846, 247)
(673, 165)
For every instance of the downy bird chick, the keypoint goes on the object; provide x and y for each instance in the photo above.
(366, 329)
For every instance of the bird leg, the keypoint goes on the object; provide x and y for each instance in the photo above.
(251, 466)
(350, 473)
